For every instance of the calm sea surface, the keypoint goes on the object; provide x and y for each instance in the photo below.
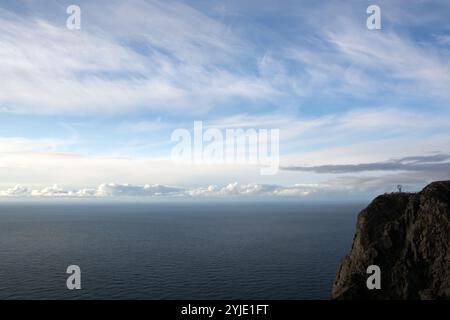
(174, 250)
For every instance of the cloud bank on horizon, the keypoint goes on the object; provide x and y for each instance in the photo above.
(113, 190)
(358, 110)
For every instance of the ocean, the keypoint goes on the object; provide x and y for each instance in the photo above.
(181, 250)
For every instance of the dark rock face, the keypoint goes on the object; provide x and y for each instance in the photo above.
(408, 236)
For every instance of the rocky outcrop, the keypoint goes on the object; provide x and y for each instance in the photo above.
(408, 236)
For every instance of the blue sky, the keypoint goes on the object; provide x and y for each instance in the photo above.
(93, 109)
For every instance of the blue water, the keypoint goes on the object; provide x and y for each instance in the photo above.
(174, 250)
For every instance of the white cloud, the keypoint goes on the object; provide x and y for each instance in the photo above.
(114, 190)
(144, 126)
(347, 186)
(53, 191)
(341, 128)
(17, 191)
(401, 63)
(153, 55)
(235, 189)
(443, 39)
(20, 145)
(145, 56)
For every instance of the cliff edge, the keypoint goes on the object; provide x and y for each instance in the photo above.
(407, 235)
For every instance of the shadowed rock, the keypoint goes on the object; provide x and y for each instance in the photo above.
(408, 236)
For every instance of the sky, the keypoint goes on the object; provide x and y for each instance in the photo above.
(90, 112)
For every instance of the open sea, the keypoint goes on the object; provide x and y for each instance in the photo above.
(214, 250)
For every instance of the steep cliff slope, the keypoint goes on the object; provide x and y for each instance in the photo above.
(408, 236)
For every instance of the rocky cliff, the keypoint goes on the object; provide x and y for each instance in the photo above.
(408, 236)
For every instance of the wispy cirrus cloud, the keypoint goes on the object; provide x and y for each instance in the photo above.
(166, 57)
(160, 63)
